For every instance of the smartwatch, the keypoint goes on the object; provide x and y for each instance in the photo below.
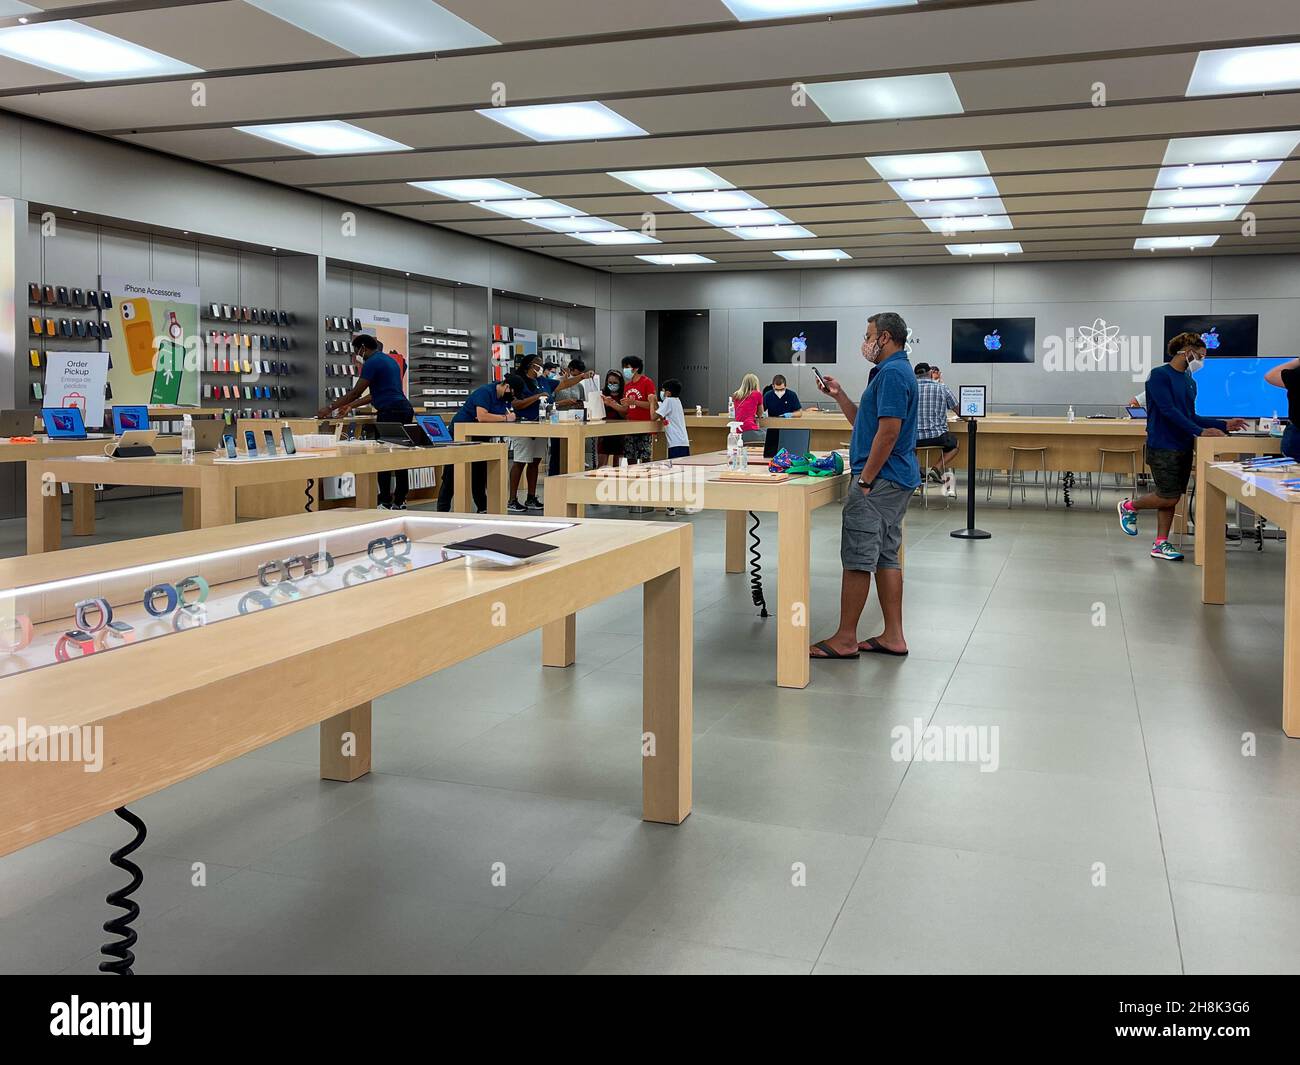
(298, 561)
(254, 601)
(320, 563)
(400, 540)
(19, 634)
(380, 543)
(115, 634)
(190, 617)
(83, 641)
(865, 484)
(83, 608)
(170, 598)
(190, 584)
(265, 571)
(358, 574)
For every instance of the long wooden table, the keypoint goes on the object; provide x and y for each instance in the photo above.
(1210, 449)
(172, 705)
(693, 485)
(1263, 494)
(209, 483)
(708, 432)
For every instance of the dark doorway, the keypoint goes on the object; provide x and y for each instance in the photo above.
(682, 344)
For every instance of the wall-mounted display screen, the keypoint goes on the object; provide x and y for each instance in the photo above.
(797, 342)
(1224, 334)
(1235, 388)
(993, 340)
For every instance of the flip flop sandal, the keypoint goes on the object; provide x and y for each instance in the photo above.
(828, 652)
(874, 647)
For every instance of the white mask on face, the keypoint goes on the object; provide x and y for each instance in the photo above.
(1194, 363)
(779, 392)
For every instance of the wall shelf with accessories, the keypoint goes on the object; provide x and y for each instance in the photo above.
(442, 368)
(60, 318)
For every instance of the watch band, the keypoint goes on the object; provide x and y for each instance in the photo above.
(190, 617)
(170, 598)
(380, 550)
(190, 584)
(117, 633)
(286, 590)
(358, 574)
(274, 568)
(401, 540)
(82, 641)
(84, 607)
(256, 600)
(300, 562)
(320, 559)
(19, 634)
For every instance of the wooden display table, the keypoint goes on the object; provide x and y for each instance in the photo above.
(1071, 446)
(1210, 448)
(708, 432)
(693, 485)
(1262, 493)
(210, 482)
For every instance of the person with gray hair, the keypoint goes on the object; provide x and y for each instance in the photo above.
(882, 458)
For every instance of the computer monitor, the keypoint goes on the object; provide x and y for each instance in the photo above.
(128, 418)
(796, 441)
(64, 423)
(1235, 388)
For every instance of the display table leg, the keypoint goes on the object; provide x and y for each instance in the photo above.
(190, 509)
(1214, 577)
(366, 496)
(216, 507)
(1291, 638)
(793, 591)
(460, 488)
(44, 513)
(573, 459)
(559, 638)
(498, 471)
(1202, 462)
(735, 541)
(666, 695)
(345, 745)
(83, 510)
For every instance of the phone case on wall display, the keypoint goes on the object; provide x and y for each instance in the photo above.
(36, 325)
(65, 327)
(62, 295)
(92, 297)
(33, 292)
(47, 295)
(106, 330)
(137, 322)
(105, 299)
(78, 297)
(51, 327)
(95, 330)
(37, 391)
(34, 357)
(80, 326)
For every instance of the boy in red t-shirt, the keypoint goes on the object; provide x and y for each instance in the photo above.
(639, 402)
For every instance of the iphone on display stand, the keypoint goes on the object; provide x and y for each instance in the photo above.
(286, 438)
(229, 441)
(250, 442)
(268, 438)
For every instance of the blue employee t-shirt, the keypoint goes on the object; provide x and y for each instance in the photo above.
(542, 384)
(385, 379)
(890, 393)
(484, 396)
(1172, 421)
(777, 405)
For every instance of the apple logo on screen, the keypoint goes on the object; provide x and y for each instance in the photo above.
(1211, 339)
(798, 344)
(993, 342)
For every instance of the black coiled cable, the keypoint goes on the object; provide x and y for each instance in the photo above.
(1067, 482)
(120, 951)
(756, 569)
(307, 492)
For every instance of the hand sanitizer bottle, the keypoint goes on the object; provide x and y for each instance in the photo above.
(1069, 414)
(187, 440)
(736, 457)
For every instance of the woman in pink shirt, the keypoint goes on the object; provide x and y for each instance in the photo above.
(747, 402)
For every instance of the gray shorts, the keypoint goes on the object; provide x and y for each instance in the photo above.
(527, 448)
(872, 532)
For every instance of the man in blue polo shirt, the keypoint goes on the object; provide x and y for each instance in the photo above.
(487, 403)
(882, 457)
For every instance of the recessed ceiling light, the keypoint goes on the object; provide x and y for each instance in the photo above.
(762, 217)
(85, 53)
(330, 137)
(813, 254)
(622, 236)
(770, 232)
(564, 122)
(686, 179)
(1008, 248)
(529, 208)
(720, 200)
(467, 189)
(928, 165)
(957, 208)
(1163, 216)
(380, 27)
(1200, 197)
(750, 10)
(1176, 177)
(1161, 243)
(1234, 70)
(1232, 148)
(908, 96)
(577, 224)
(945, 188)
(674, 260)
(970, 223)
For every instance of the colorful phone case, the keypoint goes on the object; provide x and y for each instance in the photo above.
(138, 328)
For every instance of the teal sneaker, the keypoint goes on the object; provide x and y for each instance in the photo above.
(1167, 551)
(1128, 517)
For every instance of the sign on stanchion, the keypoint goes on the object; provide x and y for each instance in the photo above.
(972, 404)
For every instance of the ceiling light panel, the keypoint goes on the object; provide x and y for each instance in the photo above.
(1172, 216)
(330, 137)
(468, 189)
(813, 254)
(536, 208)
(969, 224)
(564, 122)
(1166, 243)
(751, 10)
(87, 54)
(622, 236)
(868, 99)
(955, 188)
(576, 224)
(721, 200)
(1203, 197)
(686, 179)
(1232, 148)
(674, 260)
(744, 218)
(379, 27)
(1007, 248)
(1236, 70)
(1211, 174)
(956, 208)
(770, 232)
(928, 165)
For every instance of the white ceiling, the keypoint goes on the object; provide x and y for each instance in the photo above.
(715, 92)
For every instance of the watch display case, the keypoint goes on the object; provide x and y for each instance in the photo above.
(62, 620)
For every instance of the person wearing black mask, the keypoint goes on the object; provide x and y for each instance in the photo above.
(487, 403)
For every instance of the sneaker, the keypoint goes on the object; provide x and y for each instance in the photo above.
(934, 476)
(534, 504)
(950, 490)
(516, 507)
(1167, 551)
(1128, 518)
(671, 512)
(398, 506)
(382, 506)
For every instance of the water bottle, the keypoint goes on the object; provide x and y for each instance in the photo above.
(1069, 414)
(187, 440)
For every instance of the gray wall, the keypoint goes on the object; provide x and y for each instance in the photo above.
(1135, 295)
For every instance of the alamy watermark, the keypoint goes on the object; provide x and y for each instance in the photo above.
(53, 743)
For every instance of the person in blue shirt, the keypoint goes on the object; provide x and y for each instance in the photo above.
(381, 376)
(882, 458)
(487, 403)
(530, 385)
(1172, 428)
(779, 400)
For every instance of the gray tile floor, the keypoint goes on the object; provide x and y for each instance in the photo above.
(1123, 830)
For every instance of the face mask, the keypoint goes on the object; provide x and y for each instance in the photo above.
(1194, 364)
(779, 392)
(612, 389)
(627, 373)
